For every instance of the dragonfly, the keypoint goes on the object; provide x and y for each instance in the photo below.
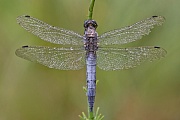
(90, 49)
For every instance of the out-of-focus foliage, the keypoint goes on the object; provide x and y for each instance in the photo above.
(29, 91)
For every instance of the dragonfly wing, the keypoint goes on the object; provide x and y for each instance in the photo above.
(125, 58)
(53, 57)
(130, 33)
(49, 33)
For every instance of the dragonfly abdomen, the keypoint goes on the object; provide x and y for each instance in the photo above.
(91, 79)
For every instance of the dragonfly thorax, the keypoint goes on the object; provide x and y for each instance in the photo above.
(90, 36)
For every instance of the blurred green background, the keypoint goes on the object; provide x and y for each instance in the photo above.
(29, 91)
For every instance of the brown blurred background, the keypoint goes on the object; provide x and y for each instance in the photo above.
(29, 91)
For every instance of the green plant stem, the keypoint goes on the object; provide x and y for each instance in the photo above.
(91, 115)
(91, 9)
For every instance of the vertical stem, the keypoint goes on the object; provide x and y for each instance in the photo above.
(91, 9)
(91, 115)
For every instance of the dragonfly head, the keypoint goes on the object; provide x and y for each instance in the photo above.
(90, 23)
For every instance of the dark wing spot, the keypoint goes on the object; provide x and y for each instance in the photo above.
(156, 47)
(27, 16)
(154, 16)
(25, 46)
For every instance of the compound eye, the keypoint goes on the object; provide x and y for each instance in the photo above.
(94, 23)
(86, 23)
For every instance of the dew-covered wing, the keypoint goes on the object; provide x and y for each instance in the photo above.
(49, 33)
(125, 58)
(53, 57)
(130, 33)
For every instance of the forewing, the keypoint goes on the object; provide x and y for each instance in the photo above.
(125, 58)
(49, 33)
(130, 33)
(53, 57)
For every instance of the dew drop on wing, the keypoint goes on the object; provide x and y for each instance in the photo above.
(71, 48)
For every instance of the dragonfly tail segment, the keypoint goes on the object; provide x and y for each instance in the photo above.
(91, 80)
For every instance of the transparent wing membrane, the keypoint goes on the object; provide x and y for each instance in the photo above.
(53, 57)
(74, 58)
(125, 58)
(49, 33)
(130, 33)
